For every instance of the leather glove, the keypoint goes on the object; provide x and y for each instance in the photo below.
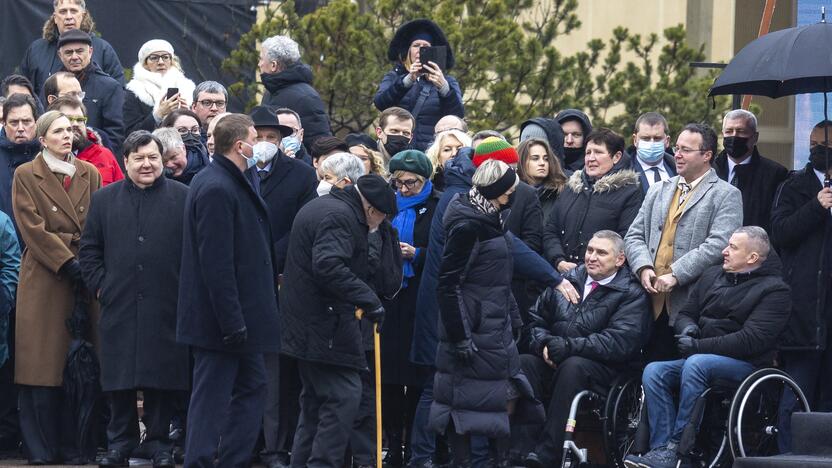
(686, 345)
(463, 351)
(72, 269)
(691, 331)
(376, 316)
(236, 338)
(558, 349)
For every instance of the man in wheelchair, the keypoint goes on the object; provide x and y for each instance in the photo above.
(728, 327)
(577, 346)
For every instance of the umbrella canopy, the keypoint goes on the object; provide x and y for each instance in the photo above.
(782, 63)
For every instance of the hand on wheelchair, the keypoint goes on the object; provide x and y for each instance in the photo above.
(687, 345)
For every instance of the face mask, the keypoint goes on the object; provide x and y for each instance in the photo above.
(573, 154)
(264, 151)
(191, 139)
(650, 152)
(817, 156)
(735, 146)
(250, 162)
(291, 145)
(323, 188)
(396, 144)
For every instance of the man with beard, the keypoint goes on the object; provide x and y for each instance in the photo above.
(85, 143)
(394, 132)
(103, 95)
(576, 126)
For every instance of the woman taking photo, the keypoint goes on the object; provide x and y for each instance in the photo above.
(402, 381)
(541, 169)
(51, 199)
(478, 382)
(423, 89)
(444, 148)
(147, 103)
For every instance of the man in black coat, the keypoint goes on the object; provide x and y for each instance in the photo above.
(104, 96)
(650, 156)
(727, 328)
(18, 144)
(289, 84)
(574, 347)
(130, 254)
(801, 228)
(324, 283)
(576, 126)
(227, 304)
(741, 165)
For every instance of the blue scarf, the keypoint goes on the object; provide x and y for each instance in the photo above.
(405, 221)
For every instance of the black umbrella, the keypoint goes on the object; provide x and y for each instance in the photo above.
(783, 63)
(81, 375)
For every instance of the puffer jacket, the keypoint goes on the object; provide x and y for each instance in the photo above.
(610, 325)
(293, 88)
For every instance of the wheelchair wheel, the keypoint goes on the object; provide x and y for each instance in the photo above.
(754, 417)
(622, 415)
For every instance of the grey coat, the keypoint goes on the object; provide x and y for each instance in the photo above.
(710, 217)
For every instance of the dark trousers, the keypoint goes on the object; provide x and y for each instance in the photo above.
(811, 370)
(227, 400)
(559, 387)
(363, 435)
(662, 343)
(9, 425)
(47, 426)
(123, 429)
(280, 417)
(398, 407)
(329, 404)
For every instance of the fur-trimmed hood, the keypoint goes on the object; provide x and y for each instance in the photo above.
(150, 87)
(610, 182)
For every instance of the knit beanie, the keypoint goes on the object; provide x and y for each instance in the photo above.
(495, 148)
(154, 45)
(533, 130)
(413, 161)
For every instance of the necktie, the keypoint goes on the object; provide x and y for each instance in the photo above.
(592, 286)
(262, 173)
(657, 177)
(733, 180)
(685, 190)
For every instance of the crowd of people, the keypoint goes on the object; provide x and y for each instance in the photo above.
(232, 268)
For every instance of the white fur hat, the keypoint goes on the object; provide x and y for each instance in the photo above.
(154, 45)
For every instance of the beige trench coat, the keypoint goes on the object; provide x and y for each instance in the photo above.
(50, 221)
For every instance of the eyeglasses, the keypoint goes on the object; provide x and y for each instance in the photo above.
(185, 130)
(156, 58)
(686, 151)
(81, 119)
(409, 183)
(207, 103)
(80, 95)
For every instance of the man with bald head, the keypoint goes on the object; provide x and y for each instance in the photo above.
(450, 122)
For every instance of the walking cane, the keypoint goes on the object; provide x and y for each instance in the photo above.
(377, 352)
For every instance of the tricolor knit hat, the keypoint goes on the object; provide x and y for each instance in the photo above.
(495, 148)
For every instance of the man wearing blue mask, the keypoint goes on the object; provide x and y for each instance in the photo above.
(650, 156)
(292, 143)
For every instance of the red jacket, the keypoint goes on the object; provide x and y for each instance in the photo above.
(103, 159)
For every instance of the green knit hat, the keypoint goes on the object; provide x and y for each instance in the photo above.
(495, 148)
(413, 161)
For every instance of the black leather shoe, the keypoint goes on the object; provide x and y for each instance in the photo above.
(114, 458)
(163, 459)
(533, 461)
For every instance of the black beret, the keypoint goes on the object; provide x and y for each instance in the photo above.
(378, 193)
(74, 35)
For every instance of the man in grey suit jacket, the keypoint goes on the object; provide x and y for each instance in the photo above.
(703, 210)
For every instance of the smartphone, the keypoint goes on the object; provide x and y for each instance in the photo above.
(437, 55)
(171, 93)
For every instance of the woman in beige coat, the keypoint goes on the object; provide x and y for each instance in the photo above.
(50, 198)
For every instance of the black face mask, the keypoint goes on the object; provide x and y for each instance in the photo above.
(735, 146)
(817, 156)
(191, 139)
(396, 144)
(573, 154)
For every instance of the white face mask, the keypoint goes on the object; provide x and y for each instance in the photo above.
(264, 151)
(323, 188)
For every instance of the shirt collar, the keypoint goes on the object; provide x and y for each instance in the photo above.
(646, 167)
(695, 182)
(601, 282)
(820, 175)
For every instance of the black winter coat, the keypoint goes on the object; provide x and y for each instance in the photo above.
(548, 197)
(400, 317)
(227, 279)
(739, 315)
(393, 93)
(525, 219)
(41, 60)
(326, 279)
(105, 105)
(286, 187)
(12, 155)
(581, 210)
(758, 182)
(131, 250)
(610, 325)
(475, 302)
(292, 88)
(137, 115)
(802, 231)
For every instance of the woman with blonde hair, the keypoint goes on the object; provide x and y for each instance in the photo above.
(444, 148)
(540, 168)
(50, 197)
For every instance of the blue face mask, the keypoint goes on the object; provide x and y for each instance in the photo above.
(290, 144)
(650, 152)
(252, 161)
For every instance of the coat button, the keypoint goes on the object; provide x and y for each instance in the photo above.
(54, 208)
(139, 296)
(141, 238)
(81, 209)
(140, 268)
